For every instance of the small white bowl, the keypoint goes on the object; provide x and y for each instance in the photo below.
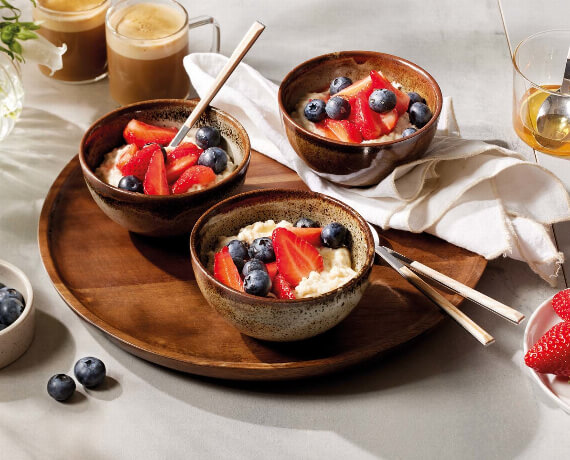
(16, 338)
(556, 388)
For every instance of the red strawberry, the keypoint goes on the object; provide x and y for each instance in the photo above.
(551, 354)
(271, 269)
(193, 175)
(296, 258)
(139, 133)
(138, 163)
(187, 148)
(388, 120)
(175, 167)
(402, 99)
(364, 118)
(155, 178)
(561, 304)
(360, 86)
(126, 155)
(225, 271)
(344, 130)
(323, 130)
(281, 288)
(312, 235)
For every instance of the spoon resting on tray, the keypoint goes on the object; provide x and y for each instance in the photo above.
(241, 50)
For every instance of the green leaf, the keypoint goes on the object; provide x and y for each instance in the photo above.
(26, 35)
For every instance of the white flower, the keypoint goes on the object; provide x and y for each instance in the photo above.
(41, 51)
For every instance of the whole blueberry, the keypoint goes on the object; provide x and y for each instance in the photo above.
(334, 235)
(420, 114)
(215, 158)
(89, 371)
(131, 184)
(382, 100)
(207, 136)
(253, 265)
(2, 326)
(257, 283)
(415, 97)
(408, 132)
(262, 249)
(60, 387)
(338, 84)
(10, 310)
(337, 108)
(7, 292)
(315, 110)
(305, 222)
(238, 251)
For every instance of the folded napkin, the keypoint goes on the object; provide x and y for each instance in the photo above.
(473, 194)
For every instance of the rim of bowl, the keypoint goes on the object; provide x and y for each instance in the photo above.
(158, 102)
(268, 192)
(29, 295)
(519, 71)
(340, 54)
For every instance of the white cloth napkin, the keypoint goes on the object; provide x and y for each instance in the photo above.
(475, 195)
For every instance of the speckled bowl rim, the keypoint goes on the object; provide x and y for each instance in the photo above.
(132, 107)
(29, 296)
(342, 54)
(367, 267)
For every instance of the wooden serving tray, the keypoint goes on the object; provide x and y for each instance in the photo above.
(141, 292)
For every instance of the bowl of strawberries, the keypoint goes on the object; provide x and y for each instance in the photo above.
(353, 116)
(150, 188)
(282, 265)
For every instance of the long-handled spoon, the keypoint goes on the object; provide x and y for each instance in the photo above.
(241, 50)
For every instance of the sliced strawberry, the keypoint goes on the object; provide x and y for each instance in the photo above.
(140, 133)
(138, 163)
(225, 271)
(187, 148)
(323, 130)
(311, 235)
(198, 174)
(271, 269)
(364, 118)
(126, 155)
(551, 354)
(296, 258)
(344, 130)
(281, 288)
(155, 179)
(175, 167)
(402, 99)
(389, 120)
(360, 86)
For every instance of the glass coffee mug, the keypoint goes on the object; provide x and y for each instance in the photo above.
(146, 43)
(80, 24)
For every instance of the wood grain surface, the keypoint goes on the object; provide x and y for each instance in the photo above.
(141, 291)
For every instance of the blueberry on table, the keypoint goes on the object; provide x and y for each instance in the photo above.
(131, 184)
(252, 265)
(207, 136)
(305, 222)
(215, 158)
(420, 114)
(262, 249)
(89, 371)
(238, 252)
(408, 132)
(382, 100)
(334, 235)
(315, 110)
(60, 387)
(10, 310)
(337, 108)
(7, 292)
(257, 283)
(338, 84)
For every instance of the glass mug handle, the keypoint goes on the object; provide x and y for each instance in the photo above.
(199, 21)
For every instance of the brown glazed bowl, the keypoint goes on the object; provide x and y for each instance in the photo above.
(270, 318)
(160, 215)
(347, 163)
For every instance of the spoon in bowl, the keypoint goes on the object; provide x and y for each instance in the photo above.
(241, 50)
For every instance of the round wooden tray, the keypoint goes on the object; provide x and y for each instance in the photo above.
(141, 292)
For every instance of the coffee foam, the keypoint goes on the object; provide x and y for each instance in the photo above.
(71, 15)
(147, 31)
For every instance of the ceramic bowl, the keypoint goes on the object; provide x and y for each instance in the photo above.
(269, 318)
(16, 338)
(349, 163)
(160, 215)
